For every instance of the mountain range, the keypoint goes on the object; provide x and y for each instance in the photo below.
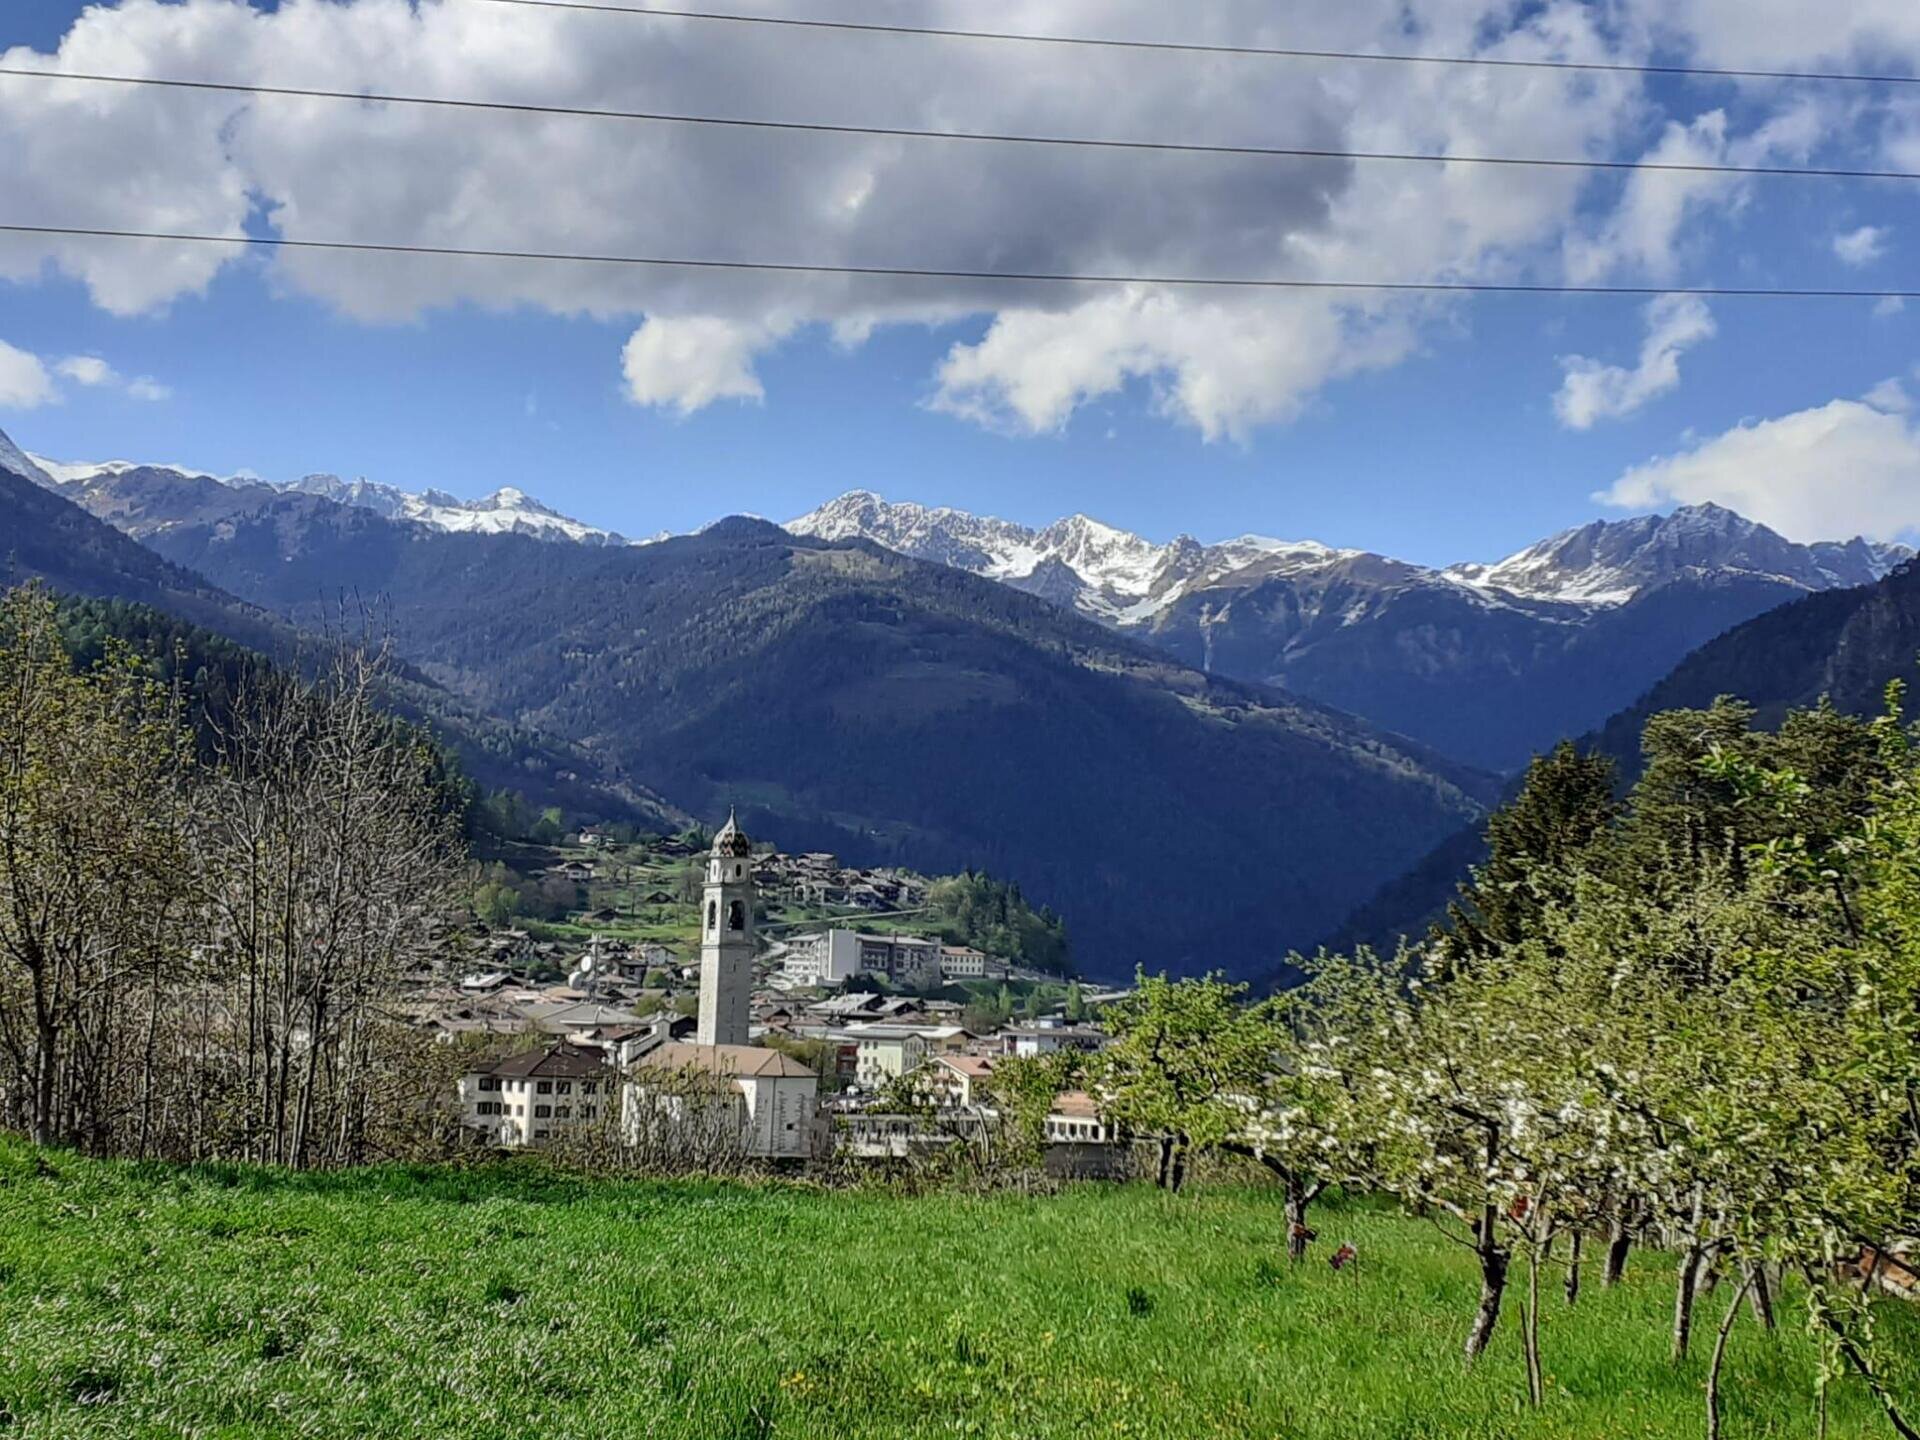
(848, 697)
(1202, 754)
(1488, 663)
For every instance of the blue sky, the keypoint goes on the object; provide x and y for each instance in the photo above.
(1451, 449)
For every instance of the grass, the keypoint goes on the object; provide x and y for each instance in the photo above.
(510, 1301)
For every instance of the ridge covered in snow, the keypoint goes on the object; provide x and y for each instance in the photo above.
(507, 511)
(1106, 572)
(1125, 579)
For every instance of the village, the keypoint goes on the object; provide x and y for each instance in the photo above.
(784, 1007)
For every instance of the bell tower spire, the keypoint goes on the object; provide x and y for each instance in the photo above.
(726, 939)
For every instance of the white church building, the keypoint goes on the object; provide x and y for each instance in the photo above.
(770, 1096)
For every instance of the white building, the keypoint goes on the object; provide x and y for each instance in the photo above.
(1028, 1041)
(536, 1096)
(726, 940)
(885, 1052)
(762, 1100)
(827, 958)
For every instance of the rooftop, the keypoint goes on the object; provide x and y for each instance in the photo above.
(749, 1061)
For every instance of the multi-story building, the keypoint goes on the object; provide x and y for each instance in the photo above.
(533, 1098)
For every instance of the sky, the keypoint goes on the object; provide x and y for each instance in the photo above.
(1433, 428)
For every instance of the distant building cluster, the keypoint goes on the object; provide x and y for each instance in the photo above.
(612, 1052)
(908, 962)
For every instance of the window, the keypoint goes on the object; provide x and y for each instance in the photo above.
(541, 1134)
(543, 1112)
(586, 1112)
(546, 1087)
(737, 916)
(563, 1112)
(566, 1087)
(590, 1088)
(713, 915)
(489, 1082)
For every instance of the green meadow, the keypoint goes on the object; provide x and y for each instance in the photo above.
(514, 1301)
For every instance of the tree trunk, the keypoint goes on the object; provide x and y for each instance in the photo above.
(1493, 1285)
(1297, 1202)
(1179, 1165)
(1685, 1289)
(1166, 1161)
(1619, 1244)
(1720, 1355)
(45, 1073)
(1536, 1388)
(1573, 1268)
(1760, 1296)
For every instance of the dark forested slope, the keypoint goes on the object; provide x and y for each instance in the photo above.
(850, 698)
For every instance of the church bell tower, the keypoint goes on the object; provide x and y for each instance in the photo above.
(726, 940)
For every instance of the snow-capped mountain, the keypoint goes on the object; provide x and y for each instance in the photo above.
(1609, 562)
(1485, 662)
(507, 511)
(13, 458)
(1112, 574)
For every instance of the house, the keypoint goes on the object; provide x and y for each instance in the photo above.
(956, 1082)
(764, 1101)
(846, 1007)
(1075, 1120)
(1030, 1040)
(536, 1096)
(565, 1017)
(885, 1052)
(484, 982)
(908, 960)
(963, 962)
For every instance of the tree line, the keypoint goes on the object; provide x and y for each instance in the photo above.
(1687, 1018)
(206, 909)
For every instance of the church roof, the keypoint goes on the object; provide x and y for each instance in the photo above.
(561, 1062)
(732, 840)
(748, 1061)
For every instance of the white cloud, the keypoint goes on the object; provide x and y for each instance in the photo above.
(1841, 469)
(145, 387)
(87, 370)
(24, 381)
(1863, 246)
(1592, 390)
(687, 363)
(1891, 396)
(95, 373)
(1219, 361)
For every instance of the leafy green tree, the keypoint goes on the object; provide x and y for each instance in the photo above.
(1187, 1064)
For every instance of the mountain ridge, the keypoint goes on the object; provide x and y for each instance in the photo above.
(850, 698)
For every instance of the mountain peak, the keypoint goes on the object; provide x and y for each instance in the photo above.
(508, 510)
(13, 458)
(1609, 562)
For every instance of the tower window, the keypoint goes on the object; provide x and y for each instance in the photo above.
(713, 915)
(736, 916)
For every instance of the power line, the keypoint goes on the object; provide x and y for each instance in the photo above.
(999, 138)
(1470, 287)
(1197, 48)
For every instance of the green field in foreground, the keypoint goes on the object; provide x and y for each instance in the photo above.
(511, 1302)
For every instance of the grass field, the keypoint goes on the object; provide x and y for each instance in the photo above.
(512, 1302)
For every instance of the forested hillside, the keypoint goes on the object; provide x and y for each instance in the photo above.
(165, 606)
(1845, 645)
(848, 698)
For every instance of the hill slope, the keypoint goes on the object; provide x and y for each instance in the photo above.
(1842, 645)
(850, 698)
(48, 538)
(1845, 645)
